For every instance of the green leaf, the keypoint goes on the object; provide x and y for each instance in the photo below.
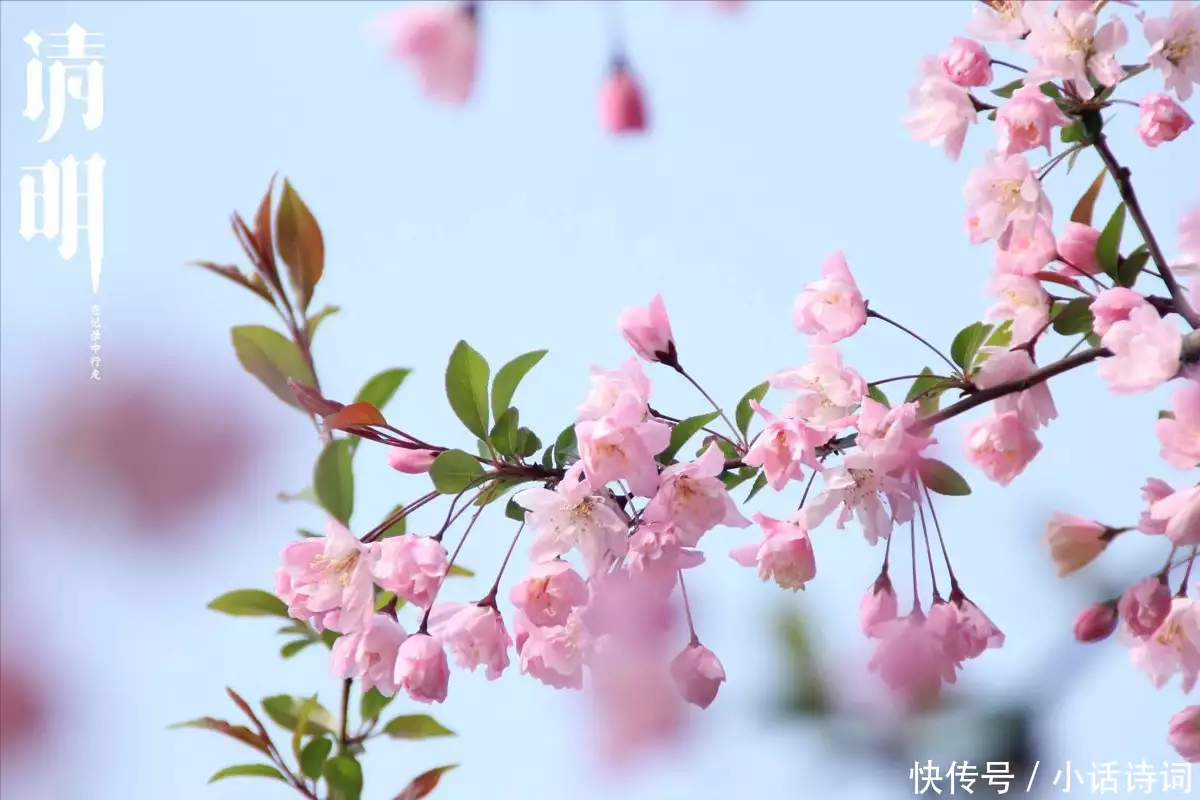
(509, 377)
(1166, 415)
(312, 757)
(940, 477)
(305, 495)
(1108, 246)
(272, 358)
(807, 694)
(292, 648)
(744, 412)
(1006, 91)
(380, 388)
(461, 572)
(1071, 159)
(333, 480)
(759, 483)
(248, 770)
(453, 471)
(876, 394)
(566, 447)
(383, 598)
(310, 325)
(967, 343)
(929, 388)
(467, 388)
(514, 511)
(1001, 336)
(504, 434)
(424, 783)
(250, 603)
(416, 726)
(1075, 317)
(373, 703)
(1129, 268)
(306, 710)
(682, 433)
(345, 778)
(497, 489)
(1071, 133)
(1092, 339)
(1050, 90)
(300, 244)
(527, 443)
(923, 383)
(397, 528)
(285, 710)
(1086, 206)
(736, 478)
(329, 637)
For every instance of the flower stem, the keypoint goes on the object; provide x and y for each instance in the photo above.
(687, 610)
(512, 545)
(449, 564)
(894, 324)
(342, 734)
(712, 402)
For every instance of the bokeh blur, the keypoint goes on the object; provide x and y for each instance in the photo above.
(517, 223)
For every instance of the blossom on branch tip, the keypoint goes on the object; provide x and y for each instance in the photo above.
(785, 554)
(940, 110)
(1096, 622)
(698, 675)
(966, 62)
(622, 446)
(441, 42)
(573, 516)
(621, 104)
(1161, 119)
(370, 654)
(1074, 542)
(973, 633)
(553, 654)
(422, 669)
(648, 331)
(832, 308)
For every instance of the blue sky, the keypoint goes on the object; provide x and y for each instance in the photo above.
(513, 223)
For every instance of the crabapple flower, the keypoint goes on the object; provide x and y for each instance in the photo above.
(1161, 119)
(1112, 306)
(1027, 254)
(1067, 45)
(1074, 542)
(422, 669)
(609, 386)
(1153, 491)
(637, 704)
(940, 110)
(1096, 622)
(1189, 244)
(974, 631)
(966, 62)
(998, 21)
(1184, 733)
(1181, 512)
(1180, 433)
(698, 674)
(622, 446)
(1026, 121)
(1146, 352)
(886, 438)
(621, 104)
(1077, 248)
(829, 389)
(648, 331)
(785, 554)
(411, 461)
(1175, 47)
(1145, 605)
(861, 492)
(326, 580)
(553, 654)
(656, 555)
(911, 655)
(474, 634)
(1022, 300)
(370, 654)
(549, 593)
(785, 444)
(1174, 647)
(1001, 446)
(1004, 198)
(412, 567)
(832, 308)
(1035, 405)
(692, 498)
(878, 605)
(570, 516)
(441, 43)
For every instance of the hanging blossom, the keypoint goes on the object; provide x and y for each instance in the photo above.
(829, 390)
(785, 554)
(692, 498)
(326, 580)
(785, 445)
(941, 110)
(1175, 47)
(573, 516)
(1174, 648)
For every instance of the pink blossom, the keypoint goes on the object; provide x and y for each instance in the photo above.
(1096, 622)
(785, 554)
(421, 668)
(553, 654)
(1146, 352)
(648, 331)
(1181, 512)
(861, 492)
(832, 308)
(1074, 542)
(940, 111)
(326, 580)
(474, 634)
(998, 21)
(441, 43)
(628, 608)
(698, 674)
(412, 567)
(1145, 605)
(1001, 446)
(621, 104)
(878, 605)
(637, 704)
(1112, 306)
(1077, 248)
(829, 389)
(657, 556)
(1180, 433)
(1035, 405)
(609, 386)
(1026, 121)
(1175, 47)
(549, 593)
(692, 498)
(1022, 300)
(1161, 120)
(1184, 733)
(573, 516)
(966, 62)
(1153, 491)
(911, 655)
(622, 446)
(370, 654)
(1174, 647)
(785, 444)
(1067, 45)
(411, 461)
(1189, 244)
(1004, 198)
(1027, 254)
(973, 632)
(887, 438)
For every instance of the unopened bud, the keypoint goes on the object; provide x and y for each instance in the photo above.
(1096, 622)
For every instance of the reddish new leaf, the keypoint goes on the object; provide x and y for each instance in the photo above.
(355, 415)
(253, 282)
(1061, 280)
(301, 245)
(262, 237)
(1087, 204)
(424, 783)
(239, 732)
(311, 400)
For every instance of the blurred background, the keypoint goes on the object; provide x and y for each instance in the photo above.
(128, 503)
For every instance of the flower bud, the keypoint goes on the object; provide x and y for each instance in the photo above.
(412, 461)
(878, 605)
(1184, 733)
(1096, 622)
(622, 109)
(1162, 119)
(966, 62)
(1077, 247)
(648, 331)
(422, 668)
(698, 674)
(1145, 605)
